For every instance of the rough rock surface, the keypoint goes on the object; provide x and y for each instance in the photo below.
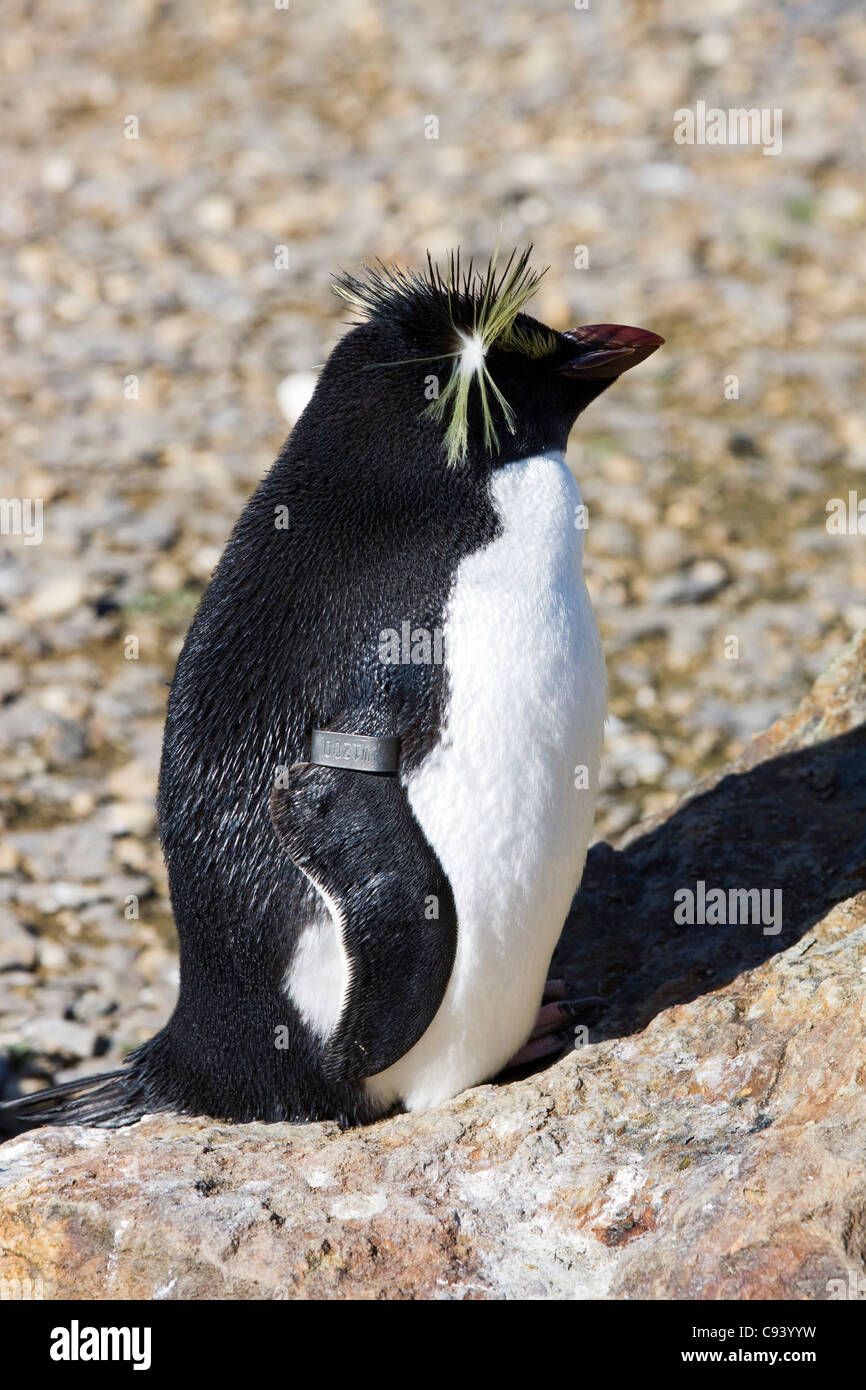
(708, 1141)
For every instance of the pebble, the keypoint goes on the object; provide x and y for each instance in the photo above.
(46, 855)
(17, 945)
(695, 583)
(53, 957)
(60, 1037)
(11, 679)
(56, 597)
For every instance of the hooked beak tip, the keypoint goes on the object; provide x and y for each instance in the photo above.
(608, 349)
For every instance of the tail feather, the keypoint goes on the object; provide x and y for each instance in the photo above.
(112, 1098)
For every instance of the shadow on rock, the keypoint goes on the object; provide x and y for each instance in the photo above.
(796, 822)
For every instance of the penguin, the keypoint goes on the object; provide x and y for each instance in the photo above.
(383, 736)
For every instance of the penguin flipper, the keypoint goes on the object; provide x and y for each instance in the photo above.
(354, 836)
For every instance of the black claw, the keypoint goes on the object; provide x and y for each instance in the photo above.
(584, 1001)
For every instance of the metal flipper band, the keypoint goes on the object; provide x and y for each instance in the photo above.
(361, 752)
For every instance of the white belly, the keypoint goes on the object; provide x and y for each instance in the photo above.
(502, 799)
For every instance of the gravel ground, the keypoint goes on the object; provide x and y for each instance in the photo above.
(148, 320)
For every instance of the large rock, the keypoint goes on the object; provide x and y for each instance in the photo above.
(707, 1142)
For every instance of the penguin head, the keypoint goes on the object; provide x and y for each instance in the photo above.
(448, 364)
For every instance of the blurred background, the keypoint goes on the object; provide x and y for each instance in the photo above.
(181, 180)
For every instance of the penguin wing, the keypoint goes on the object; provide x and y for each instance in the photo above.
(354, 836)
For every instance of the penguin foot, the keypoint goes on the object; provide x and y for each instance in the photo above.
(561, 1009)
(559, 989)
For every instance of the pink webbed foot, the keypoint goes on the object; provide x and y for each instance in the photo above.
(560, 1010)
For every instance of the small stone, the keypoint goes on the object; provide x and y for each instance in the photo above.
(53, 957)
(55, 897)
(11, 679)
(133, 782)
(59, 1037)
(92, 1005)
(664, 549)
(48, 855)
(57, 597)
(58, 174)
(215, 213)
(697, 582)
(17, 945)
(128, 818)
(63, 742)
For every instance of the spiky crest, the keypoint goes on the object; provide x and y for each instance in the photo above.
(457, 314)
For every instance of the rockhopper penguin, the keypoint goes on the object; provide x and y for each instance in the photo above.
(383, 735)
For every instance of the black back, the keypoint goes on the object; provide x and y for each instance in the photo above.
(287, 638)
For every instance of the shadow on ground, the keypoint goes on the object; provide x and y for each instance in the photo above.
(796, 822)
